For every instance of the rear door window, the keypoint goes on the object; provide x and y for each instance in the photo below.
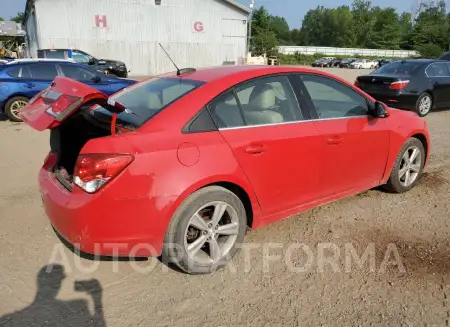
(43, 71)
(19, 72)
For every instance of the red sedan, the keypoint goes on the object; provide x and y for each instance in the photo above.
(181, 164)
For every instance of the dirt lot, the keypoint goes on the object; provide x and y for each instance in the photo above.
(255, 290)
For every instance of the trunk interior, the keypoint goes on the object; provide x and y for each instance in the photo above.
(68, 139)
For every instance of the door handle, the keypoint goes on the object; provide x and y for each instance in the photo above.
(255, 149)
(335, 140)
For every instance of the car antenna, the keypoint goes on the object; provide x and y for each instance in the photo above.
(178, 69)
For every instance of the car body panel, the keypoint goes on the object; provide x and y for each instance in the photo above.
(170, 165)
(356, 153)
(288, 152)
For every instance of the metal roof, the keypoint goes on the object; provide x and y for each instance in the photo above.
(234, 3)
(10, 28)
(238, 5)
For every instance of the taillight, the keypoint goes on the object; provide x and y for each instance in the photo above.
(357, 83)
(92, 171)
(60, 105)
(400, 85)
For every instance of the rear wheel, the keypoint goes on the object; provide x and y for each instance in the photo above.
(205, 231)
(13, 107)
(408, 167)
(424, 104)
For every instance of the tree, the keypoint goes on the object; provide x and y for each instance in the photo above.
(313, 27)
(385, 30)
(297, 37)
(431, 29)
(18, 18)
(264, 40)
(280, 27)
(1, 19)
(363, 20)
(406, 28)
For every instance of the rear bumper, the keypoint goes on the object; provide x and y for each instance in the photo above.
(401, 101)
(101, 225)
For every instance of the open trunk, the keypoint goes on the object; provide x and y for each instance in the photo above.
(66, 142)
(64, 109)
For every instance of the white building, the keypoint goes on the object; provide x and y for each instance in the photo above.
(196, 33)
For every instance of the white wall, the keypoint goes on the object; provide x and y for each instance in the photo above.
(134, 28)
(347, 51)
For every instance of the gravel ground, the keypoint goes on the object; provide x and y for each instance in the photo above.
(407, 284)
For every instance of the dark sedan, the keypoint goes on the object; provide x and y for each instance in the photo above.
(345, 63)
(419, 85)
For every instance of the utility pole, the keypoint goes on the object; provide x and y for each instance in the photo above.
(249, 32)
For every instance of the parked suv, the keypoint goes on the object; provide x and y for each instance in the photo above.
(109, 67)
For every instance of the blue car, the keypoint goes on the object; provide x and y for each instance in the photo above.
(20, 80)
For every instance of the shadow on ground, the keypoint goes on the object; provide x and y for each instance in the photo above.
(47, 310)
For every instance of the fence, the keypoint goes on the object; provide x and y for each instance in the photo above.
(330, 51)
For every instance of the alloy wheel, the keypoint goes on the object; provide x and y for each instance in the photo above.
(211, 233)
(425, 105)
(410, 166)
(16, 106)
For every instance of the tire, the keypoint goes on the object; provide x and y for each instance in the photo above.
(395, 183)
(181, 228)
(422, 100)
(12, 105)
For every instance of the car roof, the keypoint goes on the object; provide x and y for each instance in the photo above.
(32, 60)
(211, 74)
(422, 61)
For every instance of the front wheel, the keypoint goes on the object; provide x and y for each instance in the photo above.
(424, 104)
(408, 167)
(13, 107)
(205, 231)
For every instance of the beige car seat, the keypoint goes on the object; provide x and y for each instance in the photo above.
(257, 113)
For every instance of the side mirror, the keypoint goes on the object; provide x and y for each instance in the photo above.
(379, 110)
(91, 61)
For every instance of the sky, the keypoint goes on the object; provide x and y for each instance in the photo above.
(292, 10)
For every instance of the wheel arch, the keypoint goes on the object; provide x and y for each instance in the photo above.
(10, 97)
(421, 137)
(241, 194)
(241, 189)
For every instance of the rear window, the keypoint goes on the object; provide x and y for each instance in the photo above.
(399, 68)
(146, 99)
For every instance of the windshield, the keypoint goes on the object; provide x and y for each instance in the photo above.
(146, 99)
(398, 68)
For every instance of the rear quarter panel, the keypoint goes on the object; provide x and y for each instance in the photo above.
(171, 166)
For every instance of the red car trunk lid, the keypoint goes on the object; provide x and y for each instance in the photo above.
(49, 108)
